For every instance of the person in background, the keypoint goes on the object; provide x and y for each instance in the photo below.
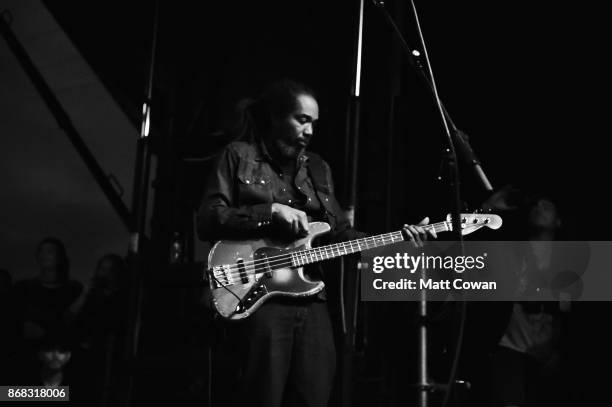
(528, 360)
(56, 361)
(43, 303)
(101, 324)
(104, 302)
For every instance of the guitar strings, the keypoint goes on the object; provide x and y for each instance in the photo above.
(319, 254)
(436, 226)
(322, 251)
(288, 260)
(322, 248)
(284, 260)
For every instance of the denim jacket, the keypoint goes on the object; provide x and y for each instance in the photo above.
(244, 183)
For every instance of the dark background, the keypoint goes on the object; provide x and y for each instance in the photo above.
(525, 80)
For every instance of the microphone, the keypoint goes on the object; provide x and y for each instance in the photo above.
(464, 149)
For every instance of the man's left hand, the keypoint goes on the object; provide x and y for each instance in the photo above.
(417, 234)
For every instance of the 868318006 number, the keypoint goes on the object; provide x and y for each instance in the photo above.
(34, 393)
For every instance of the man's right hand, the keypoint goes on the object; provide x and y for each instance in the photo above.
(291, 219)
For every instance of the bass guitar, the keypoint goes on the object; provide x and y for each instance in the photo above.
(243, 274)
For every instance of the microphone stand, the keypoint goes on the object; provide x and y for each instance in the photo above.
(456, 137)
(455, 140)
(350, 282)
(137, 249)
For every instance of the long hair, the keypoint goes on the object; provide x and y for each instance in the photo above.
(63, 266)
(253, 117)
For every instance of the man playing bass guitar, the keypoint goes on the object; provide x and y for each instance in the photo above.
(267, 185)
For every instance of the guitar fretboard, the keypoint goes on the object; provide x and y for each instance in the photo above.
(309, 256)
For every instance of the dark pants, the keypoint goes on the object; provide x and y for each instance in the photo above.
(287, 354)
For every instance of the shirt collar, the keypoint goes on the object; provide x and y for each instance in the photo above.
(264, 154)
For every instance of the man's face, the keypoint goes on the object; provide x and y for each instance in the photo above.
(106, 275)
(543, 215)
(54, 359)
(48, 256)
(292, 133)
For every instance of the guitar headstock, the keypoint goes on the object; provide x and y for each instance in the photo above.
(471, 222)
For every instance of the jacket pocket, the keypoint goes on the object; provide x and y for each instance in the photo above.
(254, 183)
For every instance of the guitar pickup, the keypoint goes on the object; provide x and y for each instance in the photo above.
(261, 258)
(242, 271)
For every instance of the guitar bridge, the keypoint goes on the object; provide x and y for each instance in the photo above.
(222, 276)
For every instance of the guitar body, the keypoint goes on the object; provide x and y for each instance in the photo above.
(239, 290)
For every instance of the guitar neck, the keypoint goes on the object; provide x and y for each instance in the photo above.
(331, 251)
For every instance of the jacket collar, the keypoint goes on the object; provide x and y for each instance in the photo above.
(264, 155)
